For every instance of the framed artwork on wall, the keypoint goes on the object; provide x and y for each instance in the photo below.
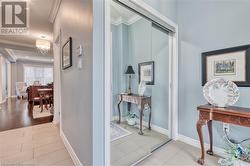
(146, 72)
(231, 64)
(67, 54)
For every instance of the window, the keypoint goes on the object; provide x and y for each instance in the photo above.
(43, 74)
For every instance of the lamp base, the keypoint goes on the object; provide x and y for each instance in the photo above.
(129, 92)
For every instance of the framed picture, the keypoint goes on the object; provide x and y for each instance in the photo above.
(146, 72)
(231, 63)
(67, 54)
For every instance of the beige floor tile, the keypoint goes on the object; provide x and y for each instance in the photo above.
(48, 149)
(151, 162)
(52, 158)
(67, 162)
(7, 150)
(19, 157)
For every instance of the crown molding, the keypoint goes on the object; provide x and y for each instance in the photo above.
(7, 42)
(129, 21)
(54, 10)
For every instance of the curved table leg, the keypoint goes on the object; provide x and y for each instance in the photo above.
(119, 111)
(141, 115)
(210, 131)
(149, 120)
(199, 125)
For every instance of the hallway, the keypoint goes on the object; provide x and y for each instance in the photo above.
(38, 145)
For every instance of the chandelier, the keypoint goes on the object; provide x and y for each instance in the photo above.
(43, 46)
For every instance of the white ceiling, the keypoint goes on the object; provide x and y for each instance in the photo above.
(29, 56)
(40, 13)
(120, 14)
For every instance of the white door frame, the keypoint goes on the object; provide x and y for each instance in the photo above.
(143, 8)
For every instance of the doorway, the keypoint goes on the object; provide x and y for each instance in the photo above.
(139, 44)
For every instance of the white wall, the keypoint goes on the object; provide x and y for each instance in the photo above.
(3, 79)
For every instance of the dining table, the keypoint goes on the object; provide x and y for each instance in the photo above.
(46, 95)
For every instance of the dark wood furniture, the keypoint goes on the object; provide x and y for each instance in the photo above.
(46, 97)
(140, 101)
(33, 95)
(208, 113)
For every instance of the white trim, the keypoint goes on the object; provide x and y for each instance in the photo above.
(150, 12)
(108, 82)
(100, 133)
(54, 10)
(71, 151)
(128, 22)
(16, 43)
(13, 97)
(196, 143)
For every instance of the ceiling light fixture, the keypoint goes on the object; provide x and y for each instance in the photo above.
(43, 45)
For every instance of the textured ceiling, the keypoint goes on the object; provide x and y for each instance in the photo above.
(39, 23)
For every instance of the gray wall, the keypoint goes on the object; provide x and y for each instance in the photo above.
(75, 20)
(17, 72)
(208, 25)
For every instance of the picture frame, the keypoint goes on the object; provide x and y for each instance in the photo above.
(146, 72)
(67, 54)
(231, 64)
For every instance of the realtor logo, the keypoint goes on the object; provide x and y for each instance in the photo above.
(14, 17)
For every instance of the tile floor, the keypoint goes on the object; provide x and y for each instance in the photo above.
(41, 145)
(177, 153)
(127, 150)
(38, 145)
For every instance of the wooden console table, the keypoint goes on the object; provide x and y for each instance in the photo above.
(207, 113)
(140, 101)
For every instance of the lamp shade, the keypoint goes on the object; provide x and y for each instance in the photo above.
(130, 70)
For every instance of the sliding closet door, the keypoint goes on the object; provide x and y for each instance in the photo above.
(160, 91)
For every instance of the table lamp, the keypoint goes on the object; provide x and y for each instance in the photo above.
(129, 71)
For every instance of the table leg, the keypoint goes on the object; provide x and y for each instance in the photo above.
(210, 131)
(129, 107)
(199, 125)
(41, 104)
(119, 112)
(141, 115)
(149, 120)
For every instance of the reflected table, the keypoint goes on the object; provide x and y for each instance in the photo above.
(141, 101)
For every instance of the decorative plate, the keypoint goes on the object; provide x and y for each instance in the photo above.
(220, 92)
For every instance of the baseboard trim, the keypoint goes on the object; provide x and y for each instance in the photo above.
(157, 128)
(196, 143)
(71, 151)
(153, 126)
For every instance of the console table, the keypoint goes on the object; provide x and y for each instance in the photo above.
(208, 113)
(140, 101)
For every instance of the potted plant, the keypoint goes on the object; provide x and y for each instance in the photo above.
(236, 155)
(131, 118)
